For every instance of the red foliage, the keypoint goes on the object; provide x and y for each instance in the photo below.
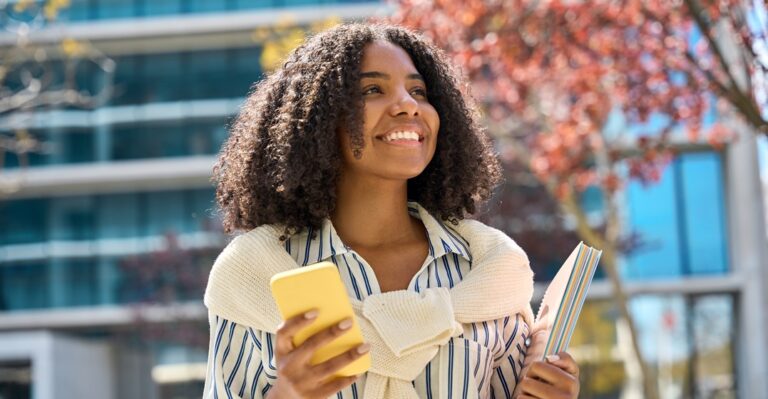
(556, 70)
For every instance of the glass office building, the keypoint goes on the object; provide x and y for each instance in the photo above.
(105, 245)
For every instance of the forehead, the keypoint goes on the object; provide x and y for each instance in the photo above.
(385, 56)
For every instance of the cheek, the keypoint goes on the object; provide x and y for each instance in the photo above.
(371, 115)
(432, 119)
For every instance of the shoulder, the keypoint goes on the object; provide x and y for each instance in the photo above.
(268, 234)
(244, 248)
(485, 238)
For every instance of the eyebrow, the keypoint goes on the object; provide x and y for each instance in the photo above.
(381, 75)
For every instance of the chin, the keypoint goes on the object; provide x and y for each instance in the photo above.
(403, 175)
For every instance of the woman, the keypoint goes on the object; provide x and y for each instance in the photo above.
(362, 150)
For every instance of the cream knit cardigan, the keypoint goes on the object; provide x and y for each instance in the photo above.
(404, 328)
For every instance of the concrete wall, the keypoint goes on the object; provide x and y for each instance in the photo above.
(62, 367)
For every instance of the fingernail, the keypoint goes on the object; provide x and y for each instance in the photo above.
(311, 314)
(364, 348)
(345, 324)
(553, 358)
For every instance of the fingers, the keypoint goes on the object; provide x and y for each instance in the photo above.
(554, 377)
(565, 362)
(322, 338)
(289, 328)
(329, 367)
(538, 389)
(536, 349)
(335, 385)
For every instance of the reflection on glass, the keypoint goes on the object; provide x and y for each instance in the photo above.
(704, 214)
(196, 6)
(687, 341)
(16, 381)
(680, 220)
(72, 218)
(162, 7)
(23, 221)
(77, 281)
(163, 77)
(24, 286)
(714, 333)
(165, 212)
(152, 246)
(78, 10)
(118, 216)
(111, 9)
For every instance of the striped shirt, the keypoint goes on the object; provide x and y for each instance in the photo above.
(487, 357)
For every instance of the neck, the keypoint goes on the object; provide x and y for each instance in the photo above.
(373, 214)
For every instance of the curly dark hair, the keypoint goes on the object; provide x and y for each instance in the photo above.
(282, 158)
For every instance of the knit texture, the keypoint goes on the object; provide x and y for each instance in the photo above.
(404, 328)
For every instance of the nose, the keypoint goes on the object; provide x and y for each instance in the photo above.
(404, 103)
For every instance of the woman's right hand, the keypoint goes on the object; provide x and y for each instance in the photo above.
(296, 377)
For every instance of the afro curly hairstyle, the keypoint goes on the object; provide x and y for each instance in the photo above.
(282, 158)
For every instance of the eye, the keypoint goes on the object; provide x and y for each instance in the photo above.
(371, 90)
(419, 91)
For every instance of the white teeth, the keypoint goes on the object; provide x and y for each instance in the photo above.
(402, 136)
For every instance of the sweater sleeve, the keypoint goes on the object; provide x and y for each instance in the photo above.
(235, 364)
(509, 364)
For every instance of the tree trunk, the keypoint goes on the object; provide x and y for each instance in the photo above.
(608, 244)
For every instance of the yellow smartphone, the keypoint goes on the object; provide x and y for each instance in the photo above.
(319, 286)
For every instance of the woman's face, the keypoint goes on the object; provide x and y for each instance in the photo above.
(399, 124)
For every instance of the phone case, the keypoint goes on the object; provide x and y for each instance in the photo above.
(319, 286)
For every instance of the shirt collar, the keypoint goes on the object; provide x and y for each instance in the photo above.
(442, 238)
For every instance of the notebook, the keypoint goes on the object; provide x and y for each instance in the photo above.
(564, 298)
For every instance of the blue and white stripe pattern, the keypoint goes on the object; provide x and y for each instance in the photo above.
(487, 358)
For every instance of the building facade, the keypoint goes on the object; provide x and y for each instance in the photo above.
(104, 241)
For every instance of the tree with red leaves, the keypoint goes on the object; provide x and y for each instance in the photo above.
(554, 78)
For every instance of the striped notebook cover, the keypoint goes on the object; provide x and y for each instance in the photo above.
(566, 294)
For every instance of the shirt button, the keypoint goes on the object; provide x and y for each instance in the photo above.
(528, 342)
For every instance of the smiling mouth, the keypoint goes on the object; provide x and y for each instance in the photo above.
(402, 137)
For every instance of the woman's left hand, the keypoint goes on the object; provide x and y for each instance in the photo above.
(554, 378)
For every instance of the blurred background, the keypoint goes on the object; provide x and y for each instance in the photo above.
(638, 127)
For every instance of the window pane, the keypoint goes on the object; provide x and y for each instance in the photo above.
(148, 141)
(17, 383)
(653, 214)
(208, 74)
(108, 9)
(87, 76)
(713, 325)
(72, 218)
(246, 70)
(687, 341)
(79, 10)
(40, 156)
(162, 7)
(23, 221)
(705, 230)
(71, 146)
(118, 216)
(24, 286)
(79, 282)
(201, 217)
(163, 74)
(165, 212)
(251, 4)
(207, 5)
(304, 2)
(129, 86)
